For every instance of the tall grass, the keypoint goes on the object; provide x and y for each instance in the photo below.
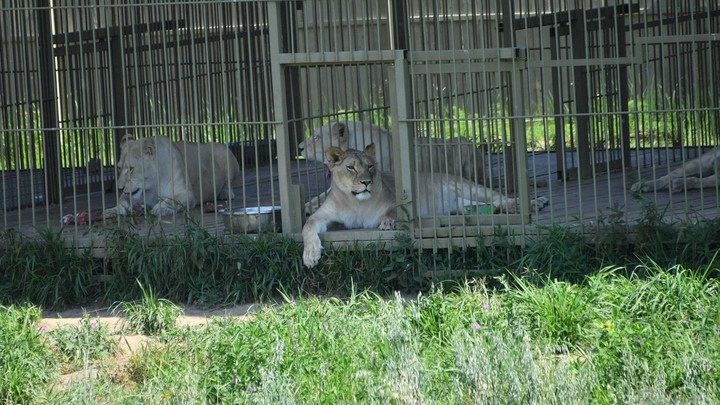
(612, 338)
(43, 271)
(150, 315)
(26, 360)
(199, 268)
(79, 345)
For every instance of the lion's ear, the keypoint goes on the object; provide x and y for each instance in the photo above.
(125, 139)
(339, 129)
(370, 150)
(149, 146)
(334, 155)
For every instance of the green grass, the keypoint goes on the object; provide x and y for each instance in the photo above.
(43, 271)
(202, 269)
(150, 315)
(628, 315)
(612, 338)
(26, 360)
(78, 345)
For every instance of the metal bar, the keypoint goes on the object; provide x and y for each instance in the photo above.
(290, 197)
(339, 57)
(589, 62)
(401, 101)
(463, 67)
(49, 101)
(582, 107)
(485, 54)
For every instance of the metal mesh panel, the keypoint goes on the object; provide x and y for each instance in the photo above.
(575, 101)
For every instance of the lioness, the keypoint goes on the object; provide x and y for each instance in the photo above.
(458, 156)
(170, 176)
(700, 172)
(362, 196)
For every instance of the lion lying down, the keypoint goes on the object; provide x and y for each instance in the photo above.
(457, 156)
(172, 176)
(696, 173)
(361, 196)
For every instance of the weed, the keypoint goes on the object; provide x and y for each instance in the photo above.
(45, 272)
(150, 315)
(26, 361)
(78, 345)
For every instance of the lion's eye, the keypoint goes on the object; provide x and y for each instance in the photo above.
(351, 169)
(371, 167)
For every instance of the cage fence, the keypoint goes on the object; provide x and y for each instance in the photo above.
(583, 103)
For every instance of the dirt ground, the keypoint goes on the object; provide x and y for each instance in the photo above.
(191, 316)
(129, 343)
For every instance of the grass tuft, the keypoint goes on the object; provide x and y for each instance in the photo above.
(26, 360)
(150, 315)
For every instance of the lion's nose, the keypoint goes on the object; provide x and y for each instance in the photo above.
(366, 182)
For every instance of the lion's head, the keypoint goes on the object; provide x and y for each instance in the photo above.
(137, 170)
(353, 171)
(332, 134)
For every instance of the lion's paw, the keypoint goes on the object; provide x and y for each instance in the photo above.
(680, 184)
(168, 207)
(387, 224)
(506, 206)
(640, 187)
(539, 203)
(311, 206)
(311, 252)
(118, 210)
(110, 213)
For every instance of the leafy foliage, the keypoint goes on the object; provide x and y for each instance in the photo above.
(150, 315)
(88, 341)
(45, 272)
(26, 361)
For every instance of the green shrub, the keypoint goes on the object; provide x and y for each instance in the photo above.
(26, 361)
(150, 315)
(45, 272)
(83, 343)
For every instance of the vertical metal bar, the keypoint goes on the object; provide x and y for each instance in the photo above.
(48, 104)
(401, 102)
(624, 94)
(509, 41)
(292, 99)
(520, 140)
(580, 80)
(292, 212)
(398, 21)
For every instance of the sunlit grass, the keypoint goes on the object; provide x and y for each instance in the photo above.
(149, 315)
(610, 339)
(78, 345)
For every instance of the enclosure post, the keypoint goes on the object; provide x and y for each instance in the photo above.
(117, 70)
(291, 93)
(520, 138)
(624, 94)
(508, 15)
(560, 152)
(48, 105)
(290, 195)
(403, 135)
(582, 108)
(399, 24)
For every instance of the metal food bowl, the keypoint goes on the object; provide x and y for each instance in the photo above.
(252, 219)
